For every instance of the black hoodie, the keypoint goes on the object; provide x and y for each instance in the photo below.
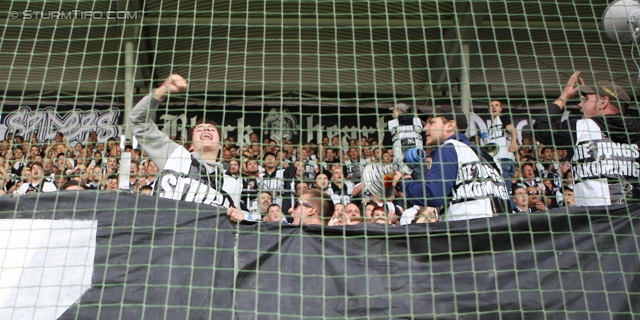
(551, 129)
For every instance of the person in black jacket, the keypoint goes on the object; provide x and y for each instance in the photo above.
(606, 160)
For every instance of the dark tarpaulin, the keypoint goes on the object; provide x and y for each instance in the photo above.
(556, 265)
(157, 258)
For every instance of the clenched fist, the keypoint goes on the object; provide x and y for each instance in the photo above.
(235, 215)
(175, 83)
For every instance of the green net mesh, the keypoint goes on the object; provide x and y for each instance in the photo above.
(304, 95)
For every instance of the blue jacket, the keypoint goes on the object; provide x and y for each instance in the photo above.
(437, 185)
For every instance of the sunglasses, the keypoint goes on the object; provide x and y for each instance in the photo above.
(533, 193)
(305, 204)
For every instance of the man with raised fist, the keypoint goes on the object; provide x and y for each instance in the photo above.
(192, 174)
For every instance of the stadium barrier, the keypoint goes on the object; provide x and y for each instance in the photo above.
(156, 258)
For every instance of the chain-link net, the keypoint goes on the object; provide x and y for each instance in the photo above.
(325, 159)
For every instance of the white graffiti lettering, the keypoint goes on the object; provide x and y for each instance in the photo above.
(75, 125)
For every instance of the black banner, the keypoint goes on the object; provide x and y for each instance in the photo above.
(558, 265)
(295, 123)
(156, 258)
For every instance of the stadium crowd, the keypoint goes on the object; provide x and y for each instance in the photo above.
(280, 181)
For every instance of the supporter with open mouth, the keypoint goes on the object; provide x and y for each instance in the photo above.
(190, 174)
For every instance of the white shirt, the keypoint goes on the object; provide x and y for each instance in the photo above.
(46, 187)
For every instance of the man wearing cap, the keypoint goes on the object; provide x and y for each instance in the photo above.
(405, 129)
(605, 160)
(463, 179)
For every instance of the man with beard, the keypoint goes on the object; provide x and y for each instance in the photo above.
(263, 207)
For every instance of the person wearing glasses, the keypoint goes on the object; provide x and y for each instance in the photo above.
(312, 207)
(534, 195)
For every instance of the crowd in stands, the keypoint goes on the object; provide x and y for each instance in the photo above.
(344, 182)
(273, 174)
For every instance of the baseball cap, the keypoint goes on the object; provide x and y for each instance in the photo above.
(452, 113)
(400, 106)
(611, 90)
